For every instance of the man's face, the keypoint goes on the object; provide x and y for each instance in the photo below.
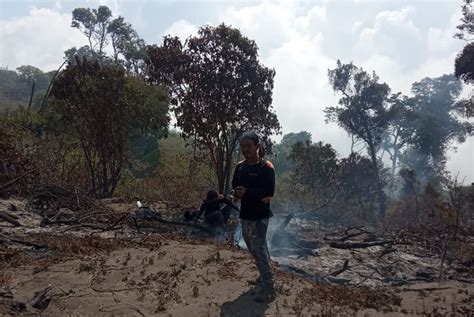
(249, 149)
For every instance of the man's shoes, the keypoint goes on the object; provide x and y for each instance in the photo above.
(266, 295)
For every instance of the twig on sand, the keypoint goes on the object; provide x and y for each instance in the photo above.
(91, 280)
(117, 307)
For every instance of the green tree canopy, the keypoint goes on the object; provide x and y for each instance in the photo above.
(466, 28)
(434, 126)
(101, 29)
(316, 174)
(364, 111)
(103, 109)
(218, 90)
(281, 151)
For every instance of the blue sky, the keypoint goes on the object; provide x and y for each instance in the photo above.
(403, 41)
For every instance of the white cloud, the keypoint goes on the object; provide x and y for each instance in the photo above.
(290, 40)
(461, 162)
(393, 34)
(38, 39)
(182, 29)
(295, 42)
(402, 53)
(441, 40)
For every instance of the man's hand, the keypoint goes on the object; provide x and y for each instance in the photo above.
(239, 192)
(220, 196)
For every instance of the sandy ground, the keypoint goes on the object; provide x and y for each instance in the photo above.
(131, 274)
(176, 278)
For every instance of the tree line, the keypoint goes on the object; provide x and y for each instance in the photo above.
(102, 119)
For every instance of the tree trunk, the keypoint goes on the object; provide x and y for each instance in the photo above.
(221, 182)
(228, 166)
(89, 159)
(220, 172)
(396, 152)
(380, 192)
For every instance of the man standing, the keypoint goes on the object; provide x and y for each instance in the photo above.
(254, 184)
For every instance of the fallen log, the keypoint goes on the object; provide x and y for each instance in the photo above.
(358, 245)
(9, 218)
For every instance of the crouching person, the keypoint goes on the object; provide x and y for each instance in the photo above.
(212, 209)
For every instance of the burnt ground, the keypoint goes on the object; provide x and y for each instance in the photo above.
(174, 270)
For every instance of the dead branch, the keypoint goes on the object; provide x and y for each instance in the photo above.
(366, 277)
(13, 181)
(95, 289)
(180, 223)
(9, 218)
(358, 245)
(345, 267)
(114, 308)
(339, 281)
(288, 218)
(352, 235)
(111, 227)
(90, 226)
(30, 244)
(359, 228)
(12, 215)
(387, 250)
(49, 199)
(136, 224)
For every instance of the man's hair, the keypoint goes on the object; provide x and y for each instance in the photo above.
(250, 135)
(253, 136)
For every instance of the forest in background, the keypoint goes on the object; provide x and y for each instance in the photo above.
(101, 122)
